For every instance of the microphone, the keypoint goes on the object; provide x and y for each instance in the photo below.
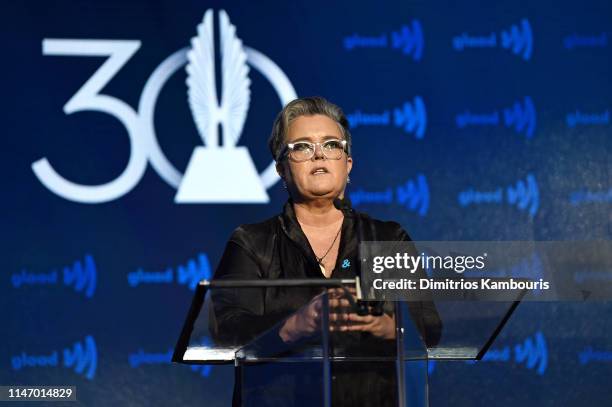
(344, 205)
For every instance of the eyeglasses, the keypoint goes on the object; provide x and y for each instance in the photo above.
(304, 150)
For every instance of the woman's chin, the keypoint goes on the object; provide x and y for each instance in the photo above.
(324, 193)
(320, 190)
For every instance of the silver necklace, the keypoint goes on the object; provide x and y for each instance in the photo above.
(320, 259)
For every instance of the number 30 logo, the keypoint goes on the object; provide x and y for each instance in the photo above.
(89, 98)
(144, 147)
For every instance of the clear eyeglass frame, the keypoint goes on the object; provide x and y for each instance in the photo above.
(300, 151)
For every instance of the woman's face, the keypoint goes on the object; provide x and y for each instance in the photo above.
(318, 177)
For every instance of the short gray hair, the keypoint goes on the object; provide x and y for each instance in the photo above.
(307, 106)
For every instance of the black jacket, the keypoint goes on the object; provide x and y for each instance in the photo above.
(277, 249)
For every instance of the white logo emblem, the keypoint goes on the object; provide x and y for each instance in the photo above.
(221, 172)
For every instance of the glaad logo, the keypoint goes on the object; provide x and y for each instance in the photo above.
(519, 117)
(525, 195)
(589, 354)
(530, 267)
(584, 197)
(577, 118)
(81, 357)
(410, 117)
(81, 276)
(143, 358)
(140, 357)
(240, 182)
(189, 275)
(518, 39)
(573, 41)
(413, 195)
(533, 352)
(408, 39)
(588, 275)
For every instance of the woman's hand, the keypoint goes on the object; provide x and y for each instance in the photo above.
(305, 322)
(343, 319)
(380, 326)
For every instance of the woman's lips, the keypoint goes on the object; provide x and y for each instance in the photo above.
(319, 171)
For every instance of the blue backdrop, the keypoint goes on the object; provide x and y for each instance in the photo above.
(471, 121)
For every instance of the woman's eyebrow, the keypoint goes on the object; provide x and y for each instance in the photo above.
(325, 137)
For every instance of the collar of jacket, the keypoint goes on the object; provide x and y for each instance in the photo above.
(293, 231)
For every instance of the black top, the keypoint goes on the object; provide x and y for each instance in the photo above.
(277, 248)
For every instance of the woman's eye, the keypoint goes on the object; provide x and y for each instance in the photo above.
(333, 145)
(301, 147)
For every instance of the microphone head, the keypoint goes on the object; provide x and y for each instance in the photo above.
(343, 204)
(347, 202)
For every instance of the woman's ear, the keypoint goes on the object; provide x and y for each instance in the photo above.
(280, 170)
(349, 164)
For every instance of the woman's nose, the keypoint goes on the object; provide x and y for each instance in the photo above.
(318, 152)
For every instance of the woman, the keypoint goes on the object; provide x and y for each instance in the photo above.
(311, 238)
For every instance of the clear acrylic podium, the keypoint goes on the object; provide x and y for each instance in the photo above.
(327, 366)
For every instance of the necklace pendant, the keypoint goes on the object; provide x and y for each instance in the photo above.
(323, 269)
